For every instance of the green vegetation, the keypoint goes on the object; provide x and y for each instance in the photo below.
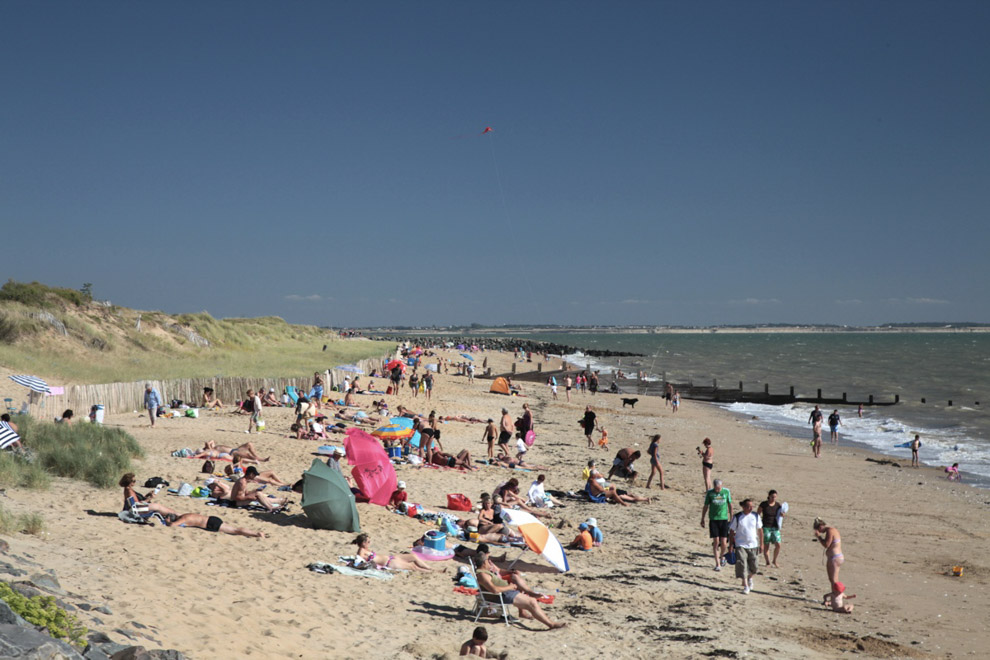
(60, 334)
(89, 452)
(29, 523)
(43, 611)
(36, 294)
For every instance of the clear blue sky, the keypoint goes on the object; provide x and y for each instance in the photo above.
(650, 162)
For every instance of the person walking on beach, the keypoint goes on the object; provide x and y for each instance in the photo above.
(428, 384)
(655, 467)
(707, 457)
(255, 400)
(152, 400)
(589, 422)
(675, 403)
(771, 511)
(668, 394)
(568, 383)
(833, 425)
(915, 446)
(744, 534)
(718, 507)
(489, 436)
(815, 419)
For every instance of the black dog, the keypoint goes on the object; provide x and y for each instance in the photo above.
(631, 402)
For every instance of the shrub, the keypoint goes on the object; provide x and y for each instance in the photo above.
(29, 523)
(20, 471)
(88, 452)
(37, 294)
(43, 611)
(9, 330)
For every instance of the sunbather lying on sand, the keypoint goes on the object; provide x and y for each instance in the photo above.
(598, 486)
(462, 418)
(404, 562)
(245, 451)
(514, 592)
(358, 416)
(212, 524)
(266, 477)
(503, 460)
(462, 460)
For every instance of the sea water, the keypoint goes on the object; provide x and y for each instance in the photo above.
(936, 367)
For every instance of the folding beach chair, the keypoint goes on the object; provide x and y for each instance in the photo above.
(487, 603)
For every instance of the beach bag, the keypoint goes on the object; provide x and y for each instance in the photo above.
(154, 481)
(530, 438)
(458, 502)
(208, 467)
(192, 412)
(730, 557)
(413, 510)
(185, 490)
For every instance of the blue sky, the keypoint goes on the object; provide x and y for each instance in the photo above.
(650, 162)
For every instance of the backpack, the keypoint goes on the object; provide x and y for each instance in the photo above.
(154, 481)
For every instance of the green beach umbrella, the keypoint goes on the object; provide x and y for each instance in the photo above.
(327, 499)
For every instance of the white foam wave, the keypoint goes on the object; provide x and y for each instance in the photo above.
(883, 434)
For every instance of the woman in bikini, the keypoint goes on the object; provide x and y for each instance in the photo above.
(706, 462)
(403, 562)
(512, 593)
(829, 538)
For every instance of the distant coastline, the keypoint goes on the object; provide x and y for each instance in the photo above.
(660, 330)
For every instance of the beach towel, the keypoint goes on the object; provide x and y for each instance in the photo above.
(321, 567)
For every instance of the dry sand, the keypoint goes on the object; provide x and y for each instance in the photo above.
(648, 591)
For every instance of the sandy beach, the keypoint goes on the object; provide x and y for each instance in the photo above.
(649, 591)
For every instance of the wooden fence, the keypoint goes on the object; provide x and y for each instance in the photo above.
(128, 397)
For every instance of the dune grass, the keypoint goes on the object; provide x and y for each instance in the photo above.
(88, 452)
(29, 523)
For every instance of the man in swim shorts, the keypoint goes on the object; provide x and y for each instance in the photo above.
(505, 432)
(718, 506)
(589, 422)
(212, 524)
(833, 425)
(769, 509)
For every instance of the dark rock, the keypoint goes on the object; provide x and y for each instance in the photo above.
(121, 631)
(47, 582)
(26, 589)
(10, 617)
(4, 546)
(10, 569)
(104, 610)
(132, 653)
(97, 638)
(111, 647)
(138, 625)
(85, 607)
(169, 654)
(95, 653)
(29, 644)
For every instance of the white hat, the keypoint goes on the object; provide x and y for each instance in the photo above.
(271, 389)
(402, 485)
(591, 522)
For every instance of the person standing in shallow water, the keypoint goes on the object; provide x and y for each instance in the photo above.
(833, 425)
(815, 419)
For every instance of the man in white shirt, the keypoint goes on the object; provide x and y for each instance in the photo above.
(745, 533)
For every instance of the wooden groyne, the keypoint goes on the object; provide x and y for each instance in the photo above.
(712, 393)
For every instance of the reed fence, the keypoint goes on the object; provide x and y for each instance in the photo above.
(128, 397)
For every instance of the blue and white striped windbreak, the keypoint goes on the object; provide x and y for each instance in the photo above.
(31, 382)
(8, 436)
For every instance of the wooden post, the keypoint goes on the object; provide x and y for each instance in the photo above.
(740, 386)
(714, 383)
(792, 391)
(513, 367)
(766, 388)
(871, 399)
(819, 393)
(843, 397)
(950, 403)
(539, 367)
(897, 398)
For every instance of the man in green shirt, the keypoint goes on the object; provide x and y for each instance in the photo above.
(718, 506)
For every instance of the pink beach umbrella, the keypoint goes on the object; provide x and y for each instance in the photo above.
(372, 470)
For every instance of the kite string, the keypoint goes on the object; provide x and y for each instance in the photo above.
(505, 212)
